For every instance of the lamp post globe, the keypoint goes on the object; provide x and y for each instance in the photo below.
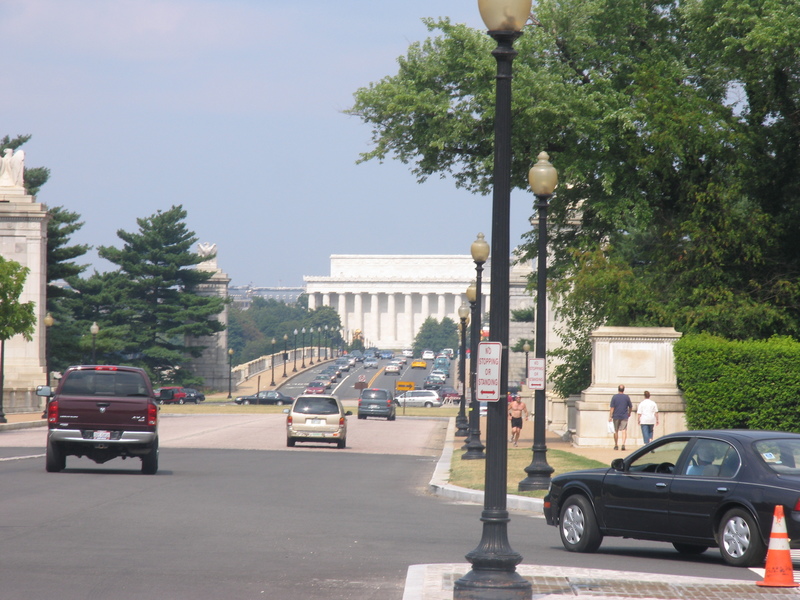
(493, 560)
(543, 179)
(462, 424)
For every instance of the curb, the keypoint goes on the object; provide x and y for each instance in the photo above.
(439, 484)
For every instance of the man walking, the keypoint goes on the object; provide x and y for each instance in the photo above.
(648, 417)
(619, 413)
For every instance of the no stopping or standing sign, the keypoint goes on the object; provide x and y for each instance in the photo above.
(487, 373)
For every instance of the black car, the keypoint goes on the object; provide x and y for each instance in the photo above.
(265, 397)
(694, 489)
(376, 402)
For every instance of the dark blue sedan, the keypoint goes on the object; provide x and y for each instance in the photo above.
(694, 489)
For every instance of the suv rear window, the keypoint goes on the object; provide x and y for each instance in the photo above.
(316, 406)
(374, 394)
(104, 383)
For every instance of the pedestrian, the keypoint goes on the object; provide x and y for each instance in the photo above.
(647, 412)
(517, 411)
(620, 412)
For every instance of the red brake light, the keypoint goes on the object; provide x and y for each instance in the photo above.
(52, 411)
(289, 420)
(152, 414)
(341, 421)
(105, 368)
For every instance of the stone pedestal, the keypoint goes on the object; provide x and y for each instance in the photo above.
(641, 358)
(23, 238)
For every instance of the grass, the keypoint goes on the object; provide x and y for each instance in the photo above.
(471, 473)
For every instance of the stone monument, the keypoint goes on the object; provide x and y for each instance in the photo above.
(23, 238)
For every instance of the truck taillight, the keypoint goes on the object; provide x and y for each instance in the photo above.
(289, 420)
(341, 421)
(152, 413)
(52, 411)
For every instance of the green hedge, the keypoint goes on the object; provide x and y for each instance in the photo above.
(739, 384)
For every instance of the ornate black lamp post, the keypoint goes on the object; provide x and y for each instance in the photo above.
(230, 371)
(294, 352)
(462, 424)
(480, 254)
(319, 344)
(285, 355)
(49, 321)
(303, 366)
(94, 330)
(543, 179)
(311, 334)
(493, 573)
(272, 370)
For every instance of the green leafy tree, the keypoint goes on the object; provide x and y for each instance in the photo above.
(16, 318)
(435, 335)
(676, 128)
(154, 296)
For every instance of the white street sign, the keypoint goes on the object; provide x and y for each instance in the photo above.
(487, 372)
(536, 374)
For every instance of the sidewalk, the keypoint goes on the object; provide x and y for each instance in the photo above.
(435, 581)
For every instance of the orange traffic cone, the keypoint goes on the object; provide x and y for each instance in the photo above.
(778, 572)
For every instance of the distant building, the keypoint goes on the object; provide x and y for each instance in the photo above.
(242, 295)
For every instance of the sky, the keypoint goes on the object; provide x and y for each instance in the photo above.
(234, 110)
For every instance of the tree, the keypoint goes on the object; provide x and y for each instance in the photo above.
(152, 296)
(691, 199)
(435, 335)
(16, 318)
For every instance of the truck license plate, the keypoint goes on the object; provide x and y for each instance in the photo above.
(102, 435)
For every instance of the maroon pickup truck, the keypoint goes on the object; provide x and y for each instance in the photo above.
(102, 412)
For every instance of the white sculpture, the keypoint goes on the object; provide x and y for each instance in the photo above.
(205, 249)
(12, 168)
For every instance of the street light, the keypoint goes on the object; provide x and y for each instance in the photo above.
(303, 366)
(285, 356)
(480, 254)
(311, 333)
(94, 329)
(326, 342)
(294, 352)
(526, 347)
(230, 371)
(319, 344)
(494, 563)
(462, 424)
(543, 179)
(272, 370)
(49, 321)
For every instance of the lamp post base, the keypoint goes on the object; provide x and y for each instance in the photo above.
(492, 585)
(462, 426)
(474, 449)
(539, 472)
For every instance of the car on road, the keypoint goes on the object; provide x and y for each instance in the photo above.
(419, 364)
(376, 402)
(343, 364)
(432, 383)
(426, 398)
(370, 363)
(387, 354)
(694, 489)
(393, 368)
(408, 353)
(439, 374)
(317, 418)
(265, 397)
(428, 354)
(317, 387)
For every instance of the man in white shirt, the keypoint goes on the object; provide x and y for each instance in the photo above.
(647, 413)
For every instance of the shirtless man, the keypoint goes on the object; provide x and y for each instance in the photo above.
(517, 411)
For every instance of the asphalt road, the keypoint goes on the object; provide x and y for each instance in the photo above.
(233, 513)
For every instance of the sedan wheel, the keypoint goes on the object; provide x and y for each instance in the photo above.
(578, 529)
(279, 403)
(689, 548)
(739, 539)
(245, 401)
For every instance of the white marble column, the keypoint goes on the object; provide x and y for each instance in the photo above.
(409, 310)
(312, 302)
(441, 309)
(341, 308)
(375, 318)
(326, 299)
(391, 311)
(425, 308)
(358, 311)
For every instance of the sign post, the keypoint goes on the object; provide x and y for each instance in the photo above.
(487, 374)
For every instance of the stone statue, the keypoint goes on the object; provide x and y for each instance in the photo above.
(205, 249)
(12, 167)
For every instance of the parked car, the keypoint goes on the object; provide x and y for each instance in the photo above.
(317, 387)
(419, 364)
(175, 394)
(193, 393)
(393, 368)
(449, 394)
(426, 398)
(694, 489)
(370, 363)
(265, 397)
(317, 419)
(376, 402)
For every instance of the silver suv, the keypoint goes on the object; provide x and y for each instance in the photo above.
(426, 398)
(317, 418)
